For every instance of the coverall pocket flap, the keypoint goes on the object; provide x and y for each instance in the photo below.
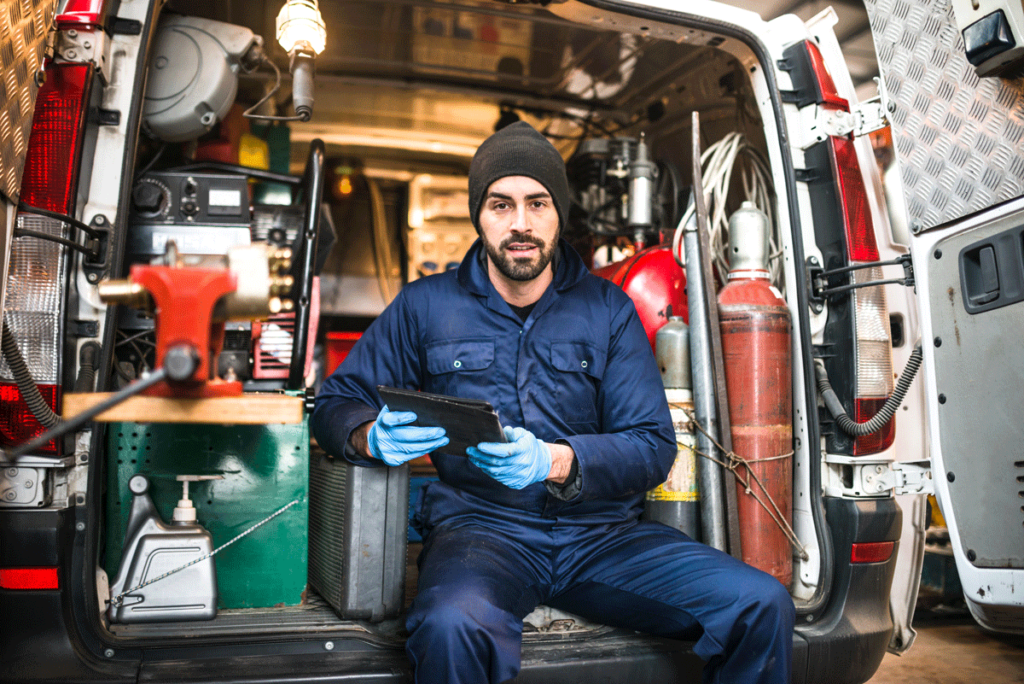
(459, 356)
(578, 357)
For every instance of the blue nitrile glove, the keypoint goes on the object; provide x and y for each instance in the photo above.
(520, 462)
(393, 440)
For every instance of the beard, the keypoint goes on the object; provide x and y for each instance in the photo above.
(520, 268)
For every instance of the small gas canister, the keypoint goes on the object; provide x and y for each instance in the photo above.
(676, 501)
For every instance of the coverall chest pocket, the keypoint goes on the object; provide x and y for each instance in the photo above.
(579, 368)
(452, 363)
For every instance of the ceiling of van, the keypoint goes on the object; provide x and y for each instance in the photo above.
(453, 66)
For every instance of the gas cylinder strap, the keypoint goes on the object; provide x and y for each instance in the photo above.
(733, 462)
(119, 599)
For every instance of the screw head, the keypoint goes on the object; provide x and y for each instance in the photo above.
(109, 653)
(92, 276)
(80, 526)
(329, 646)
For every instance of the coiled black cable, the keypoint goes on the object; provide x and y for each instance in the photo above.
(884, 415)
(26, 385)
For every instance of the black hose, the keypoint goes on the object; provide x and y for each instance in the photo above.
(26, 385)
(884, 415)
(88, 357)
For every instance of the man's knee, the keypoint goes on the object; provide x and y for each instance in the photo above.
(769, 601)
(458, 615)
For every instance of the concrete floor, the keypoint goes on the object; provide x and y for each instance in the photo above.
(951, 649)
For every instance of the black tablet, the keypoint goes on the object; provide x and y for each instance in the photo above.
(467, 422)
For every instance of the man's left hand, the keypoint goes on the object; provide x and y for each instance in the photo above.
(518, 463)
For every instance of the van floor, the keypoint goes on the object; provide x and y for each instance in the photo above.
(314, 614)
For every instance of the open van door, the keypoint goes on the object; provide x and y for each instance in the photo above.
(959, 145)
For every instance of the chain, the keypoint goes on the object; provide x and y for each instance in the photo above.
(734, 462)
(119, 599)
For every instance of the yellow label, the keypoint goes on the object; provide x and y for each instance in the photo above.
(681, 484)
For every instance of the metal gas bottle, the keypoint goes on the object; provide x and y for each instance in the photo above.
(756, 345)
(676, 501)
(153, 548)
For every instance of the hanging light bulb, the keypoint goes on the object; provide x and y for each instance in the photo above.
(300, 26)
(303, 35)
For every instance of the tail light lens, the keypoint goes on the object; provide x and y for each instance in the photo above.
(79, 13)
(827, 92)
(38, 269)
(872, 337)
(54, 148)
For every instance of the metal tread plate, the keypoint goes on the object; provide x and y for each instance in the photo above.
(959, 139)
(23, 28)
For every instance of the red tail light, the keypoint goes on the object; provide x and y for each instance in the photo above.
(38, 269)
(17, 424)
(872, 552)
(865, 410)
(873, 340)
(828, 93)
(51, 166)
(79, 13)
(29, 578)
(860, 230)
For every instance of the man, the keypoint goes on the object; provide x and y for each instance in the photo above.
(551, 516)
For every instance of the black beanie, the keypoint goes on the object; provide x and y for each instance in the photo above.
(518, 150)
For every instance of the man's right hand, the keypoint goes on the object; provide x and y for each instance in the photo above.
(395, 441)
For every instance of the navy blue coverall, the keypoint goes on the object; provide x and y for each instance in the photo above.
(578, 371)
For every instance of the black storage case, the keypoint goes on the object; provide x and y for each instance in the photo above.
(358, 533)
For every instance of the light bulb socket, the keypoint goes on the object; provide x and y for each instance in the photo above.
(303, 71)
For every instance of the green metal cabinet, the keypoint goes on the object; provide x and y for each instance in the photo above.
(265, 467)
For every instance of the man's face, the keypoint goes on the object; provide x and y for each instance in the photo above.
(519, 227)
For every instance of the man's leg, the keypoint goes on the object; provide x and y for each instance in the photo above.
(654, 579)
(475, 588)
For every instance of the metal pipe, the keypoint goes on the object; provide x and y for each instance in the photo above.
(709, 473)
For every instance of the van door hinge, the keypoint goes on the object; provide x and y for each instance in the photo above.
(851, 477)
(864, 118)
(912, 477)
(869, 116)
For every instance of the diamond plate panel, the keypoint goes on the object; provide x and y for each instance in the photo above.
(23, 28)
(959, 139)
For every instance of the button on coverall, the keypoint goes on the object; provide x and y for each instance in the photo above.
(578, 371)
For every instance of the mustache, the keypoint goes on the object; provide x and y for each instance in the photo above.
(522, 238)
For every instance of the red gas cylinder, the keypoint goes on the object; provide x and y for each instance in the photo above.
(655, 283)
(758, 372)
